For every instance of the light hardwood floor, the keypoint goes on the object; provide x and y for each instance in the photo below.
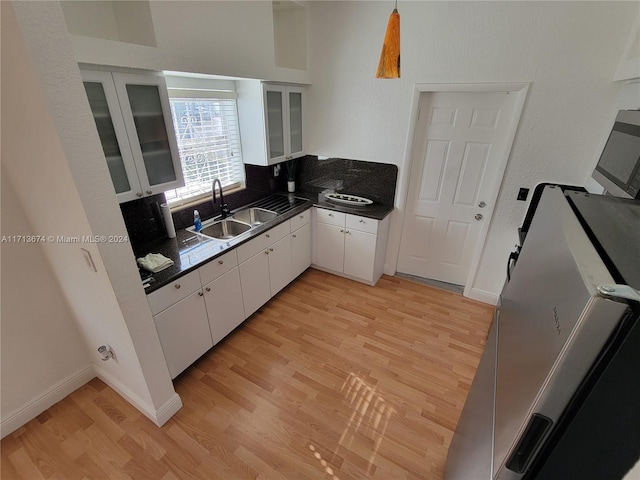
(330, 380)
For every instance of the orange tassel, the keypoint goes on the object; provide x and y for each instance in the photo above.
(389, 65)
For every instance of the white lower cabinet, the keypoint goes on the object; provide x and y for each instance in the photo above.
(190, 318)
(223, 298)
(350, 245)
(265, 266)
(183, 328)
(330, 247)
(360, 254)
(198, 310)
(254, 276)
(300, 249)
(280, 264)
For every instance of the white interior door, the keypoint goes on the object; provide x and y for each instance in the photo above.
(457, 163)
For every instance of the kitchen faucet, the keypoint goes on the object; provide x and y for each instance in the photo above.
(224, 208)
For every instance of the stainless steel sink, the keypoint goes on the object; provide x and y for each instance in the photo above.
(255, 216)
(225, 229)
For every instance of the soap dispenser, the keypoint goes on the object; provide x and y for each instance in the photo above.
(197, 223)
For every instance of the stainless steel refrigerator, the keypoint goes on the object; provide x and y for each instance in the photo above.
(557, 391)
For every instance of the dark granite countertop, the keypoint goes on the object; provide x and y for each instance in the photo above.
(189, 251)
(377, 211)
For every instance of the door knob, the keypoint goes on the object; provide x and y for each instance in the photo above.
(478, 216)
(482, 204)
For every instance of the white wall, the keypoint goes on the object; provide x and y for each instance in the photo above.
(91, 18)
(41, 343)
(568, 51)
(52, 156)
(290, 34)
(120, 20)
(233, 38)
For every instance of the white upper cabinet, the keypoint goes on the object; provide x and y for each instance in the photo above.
(133, 118)
(271, 122)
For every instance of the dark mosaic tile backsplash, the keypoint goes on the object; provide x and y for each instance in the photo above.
(376, 181)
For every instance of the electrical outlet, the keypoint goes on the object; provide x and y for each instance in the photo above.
(523, 193)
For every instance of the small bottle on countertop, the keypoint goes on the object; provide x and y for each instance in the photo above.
(197, 223)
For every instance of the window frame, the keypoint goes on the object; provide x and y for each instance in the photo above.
(182, 93)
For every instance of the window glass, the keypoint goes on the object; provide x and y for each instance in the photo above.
(209, 144)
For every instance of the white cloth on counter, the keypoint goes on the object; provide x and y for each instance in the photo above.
(155, 262)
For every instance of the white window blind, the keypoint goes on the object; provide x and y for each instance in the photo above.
(208, 142)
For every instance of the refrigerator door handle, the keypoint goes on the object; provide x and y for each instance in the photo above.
(619, 291)
(529, 443)
(513, 258)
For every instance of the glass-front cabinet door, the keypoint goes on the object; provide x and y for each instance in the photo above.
(105, 108)
(133, 119)
(283, 106)
(274, 98)
(294, 101)
(147, 115)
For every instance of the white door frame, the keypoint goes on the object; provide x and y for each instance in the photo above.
(519, 89)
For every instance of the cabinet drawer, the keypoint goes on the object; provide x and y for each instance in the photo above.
(218, 266)
(300, 220)
(174, 292)
(331, 217)
(363, 224)
(261, 242)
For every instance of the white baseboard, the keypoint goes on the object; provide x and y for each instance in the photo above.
(344, 275)
(53, 395)
(159, 417)
(482, 296)
(66, 386)
(389, 269)
(168, 410)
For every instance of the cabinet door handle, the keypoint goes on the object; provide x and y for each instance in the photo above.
(139, 194)
(361, 220)
(342, 230)
(268, 236)
(293, 235)
(330, 214)
(266, 252)
(220, 262)
(271, 249)
(149, 192)
(177, 285)
(208, 289)
(200, 293)
(347, 231)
